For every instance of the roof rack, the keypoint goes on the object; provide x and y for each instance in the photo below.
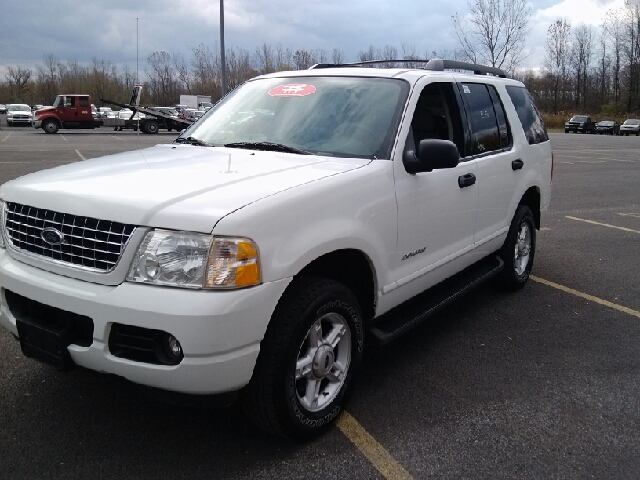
(435, 64)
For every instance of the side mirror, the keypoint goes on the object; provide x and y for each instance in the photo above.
(433, 154)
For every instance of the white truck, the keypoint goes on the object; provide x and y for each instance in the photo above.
(252, 255)
(194, 101)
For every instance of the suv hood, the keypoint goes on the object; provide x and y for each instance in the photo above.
(181, 187)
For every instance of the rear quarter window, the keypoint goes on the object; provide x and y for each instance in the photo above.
(530, 119)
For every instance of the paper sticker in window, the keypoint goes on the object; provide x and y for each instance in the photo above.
(292, 90)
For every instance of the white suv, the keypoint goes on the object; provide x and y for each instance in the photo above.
(253, 253)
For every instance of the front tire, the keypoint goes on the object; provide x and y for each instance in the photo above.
(519, 249)
(308, 360)
(50, 126)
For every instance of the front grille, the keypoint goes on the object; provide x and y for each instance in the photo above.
(86, 242)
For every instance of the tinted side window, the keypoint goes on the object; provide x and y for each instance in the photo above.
(84, 101)
(437, 116)
(532, 124)
(482, 118)
(501, 116)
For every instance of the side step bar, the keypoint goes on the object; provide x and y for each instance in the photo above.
(404, 317)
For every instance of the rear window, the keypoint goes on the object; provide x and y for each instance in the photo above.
(532, 124)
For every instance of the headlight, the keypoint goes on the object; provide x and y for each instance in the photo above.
(193, 260)
(2, 217)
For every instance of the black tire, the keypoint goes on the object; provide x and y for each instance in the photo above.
(272, 400)
(519, 249)
(50, 126)
(150, 127)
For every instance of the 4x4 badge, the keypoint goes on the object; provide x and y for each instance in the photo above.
(52, 236)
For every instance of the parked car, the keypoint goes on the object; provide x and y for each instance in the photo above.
(631, 125)
(19, 114)
(106, 112)
(126, 114)
(608, 126)
(259, 259)
(194, 115)
(185, 112)
(3, 108)
(35, 108)
(580, 124)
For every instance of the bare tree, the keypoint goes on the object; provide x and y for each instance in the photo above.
(302, 59)
(162, 77)
(557, 57)
(266, 58)
(337, 56)
(18, 80)
(581, 54)
(184, 76)
(613, 31)
(496, 32)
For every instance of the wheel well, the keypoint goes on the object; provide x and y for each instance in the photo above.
(351, 268)
(51, 119)
(531, 198)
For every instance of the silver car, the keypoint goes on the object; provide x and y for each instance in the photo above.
(631, 125)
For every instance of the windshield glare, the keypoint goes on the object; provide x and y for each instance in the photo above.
(578, 118)
(338, 116)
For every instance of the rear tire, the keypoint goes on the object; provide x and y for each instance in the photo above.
(519, 249)
(150, 127)
(308, 360)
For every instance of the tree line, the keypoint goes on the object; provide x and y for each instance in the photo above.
(591, 70)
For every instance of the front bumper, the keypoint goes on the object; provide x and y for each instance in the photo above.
(219, 331)
(36, 123)
(629, 130)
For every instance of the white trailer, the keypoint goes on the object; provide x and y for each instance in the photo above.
(194, 101)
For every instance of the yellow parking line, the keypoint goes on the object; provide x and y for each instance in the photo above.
(375, 453)
(586, 296)
(80, 155)
(603, 224)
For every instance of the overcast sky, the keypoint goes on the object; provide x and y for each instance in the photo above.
(106, 30)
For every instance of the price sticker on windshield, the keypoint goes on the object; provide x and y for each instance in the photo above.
(292, 90)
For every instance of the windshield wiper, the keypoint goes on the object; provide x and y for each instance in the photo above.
(192, 141)
(268, 146)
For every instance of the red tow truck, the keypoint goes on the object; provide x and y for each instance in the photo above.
(74, 111)
(68, 111)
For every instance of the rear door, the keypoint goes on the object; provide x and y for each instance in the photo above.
(491, 146)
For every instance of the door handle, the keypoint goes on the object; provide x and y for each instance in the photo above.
(517, 164)
(466, 180)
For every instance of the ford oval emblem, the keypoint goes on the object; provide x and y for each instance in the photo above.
(52, 236)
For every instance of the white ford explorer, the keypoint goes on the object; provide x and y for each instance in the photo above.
(303, 211)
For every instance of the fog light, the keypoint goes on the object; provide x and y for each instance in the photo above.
(172, 349)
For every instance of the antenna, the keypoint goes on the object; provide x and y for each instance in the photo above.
(137, 79)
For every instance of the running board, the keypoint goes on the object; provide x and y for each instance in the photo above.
(404, 317)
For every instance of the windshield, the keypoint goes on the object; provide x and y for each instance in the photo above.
(338, 116)
(578, 118)
(58, 101)
(19, 108)
(632, 122)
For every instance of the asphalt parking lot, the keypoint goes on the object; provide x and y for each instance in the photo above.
(543, 383)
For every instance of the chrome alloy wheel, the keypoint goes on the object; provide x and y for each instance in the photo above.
(522, 249)
(323, 362)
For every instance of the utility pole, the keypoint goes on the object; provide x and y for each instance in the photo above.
(222, 60)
